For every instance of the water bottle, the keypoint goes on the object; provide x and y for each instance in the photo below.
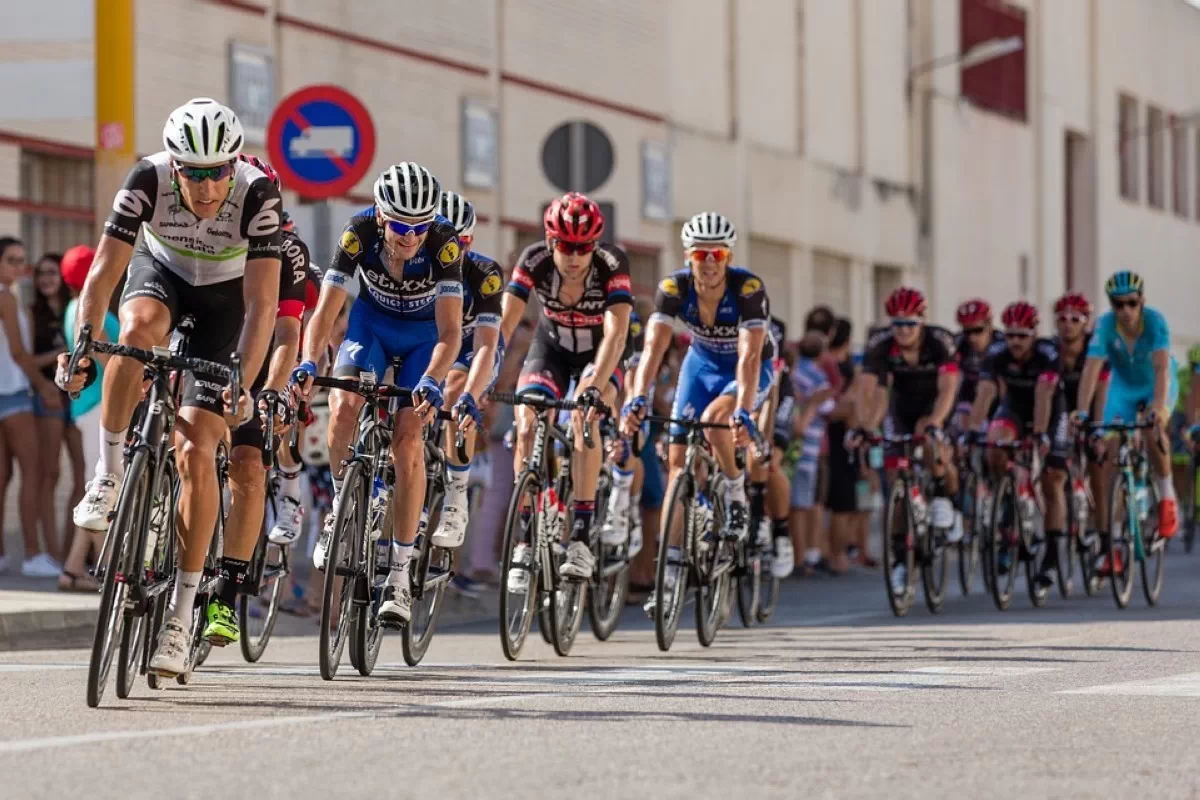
(1143, 501)
(917, 501)
(1025, 506)
(423, 522)
(1081, 503)
(706, 518)
(382, 547)
(378, 507)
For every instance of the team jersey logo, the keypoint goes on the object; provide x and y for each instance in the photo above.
(635, 328)
(669, 287)
(620, 283)
(350, 244)
(491, 285)
(751, 286)
(448, 254)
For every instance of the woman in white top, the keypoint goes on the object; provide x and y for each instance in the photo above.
(18, 428)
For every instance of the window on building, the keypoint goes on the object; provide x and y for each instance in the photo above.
(57, 191)
(1179, 166)
(1154, 157)
(997, 84)
(1127, 152)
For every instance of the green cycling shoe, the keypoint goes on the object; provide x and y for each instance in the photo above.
(222, 627)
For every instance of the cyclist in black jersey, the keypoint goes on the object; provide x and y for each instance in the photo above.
(586, 295)
(916, 361)
(977, 335)
(402, 262)
(1027, 370)
(475, 370)
(247, 475)
(210, 247)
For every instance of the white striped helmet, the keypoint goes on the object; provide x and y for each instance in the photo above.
(708, 228)
(460, 212)
(203, 133)
(407, 190)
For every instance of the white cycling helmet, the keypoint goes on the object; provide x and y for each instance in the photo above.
(460, 212)
(708, 228)
(203, 133)
(407, 190)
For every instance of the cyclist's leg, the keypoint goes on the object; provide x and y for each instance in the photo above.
(148, 311)
(289, 511)
(720, 410)
(543, 372)
(360, 352)
(587, 462)
(1054, 481)
(1160, 462)
(779, 509)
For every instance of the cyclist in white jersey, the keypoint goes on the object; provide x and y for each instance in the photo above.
(210, 247)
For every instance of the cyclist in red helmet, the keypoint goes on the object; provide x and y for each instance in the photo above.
(586, 295)
(977, 334)
(1026, 369)
(916, 362)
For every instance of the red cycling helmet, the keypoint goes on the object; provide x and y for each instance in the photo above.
(263, 166)
(1020, 316)
(1073, 301)
(574, 219)
(906, 302)
(974, 311)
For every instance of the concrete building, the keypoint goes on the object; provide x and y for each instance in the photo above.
(849, 143)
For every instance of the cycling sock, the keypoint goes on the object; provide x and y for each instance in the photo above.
(233, 571)
(622, 479)
(401, 555)
(112, 446)
(781, 528)
(457, 479)
(289, 483)
(939, 486)
(735, 489)
(758, 499)
(584, 509)
(183, 597)
(1166, 488)
(812, 556)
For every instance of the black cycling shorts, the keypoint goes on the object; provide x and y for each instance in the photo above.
(1060, 438)
(550, 369)
(218, 308)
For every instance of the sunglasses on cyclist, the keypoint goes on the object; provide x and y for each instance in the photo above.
(1072, 318)
(714, 254)
(1131, 303)
(404, 229)
(905, 323)
(973, 331)
(198, 174)
(1017, 335)
(573, 248)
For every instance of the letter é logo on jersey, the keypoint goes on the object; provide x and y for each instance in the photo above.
(491, 285)
(350, 244)
(751, 286)
(449, 253)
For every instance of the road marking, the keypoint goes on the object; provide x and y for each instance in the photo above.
(38, 667)
(983, 670)
(1186, 685)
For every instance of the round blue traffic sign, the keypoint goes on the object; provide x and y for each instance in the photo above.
(321, 141)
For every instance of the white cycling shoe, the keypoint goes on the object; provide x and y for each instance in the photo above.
(289, 523)
(174, 645)
(453, 528)
(580, 562)
(98, 503)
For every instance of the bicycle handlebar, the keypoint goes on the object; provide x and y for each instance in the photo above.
(541, 402)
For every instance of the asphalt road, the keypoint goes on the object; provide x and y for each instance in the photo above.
(834, 698)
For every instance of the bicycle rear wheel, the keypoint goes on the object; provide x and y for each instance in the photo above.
(898, 527)
(342, 559)
(671, 572)
(1154, 551)
(367, 635)
(119, 568)
(1005, 543)
(935, 568)
(710, 587)
(436, 564)
(256, 621)
(769, 598)
(517, 607)
(749, 584)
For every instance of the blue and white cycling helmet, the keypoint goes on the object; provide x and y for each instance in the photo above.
(1123, 283)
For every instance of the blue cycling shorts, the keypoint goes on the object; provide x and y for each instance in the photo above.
(1124, 399)
(374, 338)
(702, 379)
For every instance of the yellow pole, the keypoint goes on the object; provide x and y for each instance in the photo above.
(115, 134)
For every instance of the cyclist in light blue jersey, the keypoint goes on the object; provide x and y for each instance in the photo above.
(1136, 342)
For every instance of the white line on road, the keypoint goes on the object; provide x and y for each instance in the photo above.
(1186, 685)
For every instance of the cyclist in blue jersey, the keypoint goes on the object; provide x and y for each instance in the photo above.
(475, 370)
(722, 378)
(403, 263)
(1136, 342)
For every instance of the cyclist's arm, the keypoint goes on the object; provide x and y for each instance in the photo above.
(947, 390)
(448, 312)
(985, 394)
(283, 357)
(260, 289)
(868, 410)
(1161, 359)
(750, 344)
(112, 257)
(487, 340)
(1087, 382)
(320, 324)
(658, 339)
(612, 346)
(1043, 399)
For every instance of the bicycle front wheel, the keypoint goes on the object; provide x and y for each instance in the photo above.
(342, 561)
(897, 549)
(435, 565)
(1120, 541)
(119, 568)
(1004, 539)
(671, 572)
(712, 582)
(519, 576)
